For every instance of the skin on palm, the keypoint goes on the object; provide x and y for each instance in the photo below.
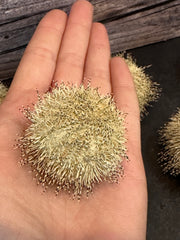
(114, 211)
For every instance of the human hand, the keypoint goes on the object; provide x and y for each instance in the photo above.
(70, 50)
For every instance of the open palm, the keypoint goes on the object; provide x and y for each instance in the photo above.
(70, 50)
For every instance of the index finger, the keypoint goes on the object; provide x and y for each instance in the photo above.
(38, 63)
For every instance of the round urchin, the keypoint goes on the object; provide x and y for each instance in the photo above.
(76, 138)
(3, 92)
(147, 90)
(170, 139)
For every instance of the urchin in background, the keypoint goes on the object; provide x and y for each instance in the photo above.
(163, 189)
(170, 139)
(148, 91)
(3, 91)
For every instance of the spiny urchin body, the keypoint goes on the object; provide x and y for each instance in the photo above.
(76, 139)
(170, 138)
(147, 91)
(3, 92)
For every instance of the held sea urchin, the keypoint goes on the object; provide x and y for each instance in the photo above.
(147, 90)
(76, 138)
(170, 138)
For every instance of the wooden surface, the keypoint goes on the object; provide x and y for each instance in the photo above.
(130, 24)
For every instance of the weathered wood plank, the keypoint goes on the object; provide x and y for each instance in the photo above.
(130, 24)
(145, 27)
(14, 9)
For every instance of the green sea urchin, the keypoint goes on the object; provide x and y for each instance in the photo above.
(3, 91)
(76, 139)
(170, 138)
(147, 90)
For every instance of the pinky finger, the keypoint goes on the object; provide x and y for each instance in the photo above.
(126, 99)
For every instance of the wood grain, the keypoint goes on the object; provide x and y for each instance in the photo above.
(130, 24)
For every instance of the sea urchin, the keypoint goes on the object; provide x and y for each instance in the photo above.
(170, 138)
(76, 138)
(3, 92)
(147, 90)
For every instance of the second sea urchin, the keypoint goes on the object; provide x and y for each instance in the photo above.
(3, 92)
(147, 90)
(76, 139)
(170, 138)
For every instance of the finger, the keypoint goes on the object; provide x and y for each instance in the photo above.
(73, 50)
(98, 60)
(126, 99)
(38, 62)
